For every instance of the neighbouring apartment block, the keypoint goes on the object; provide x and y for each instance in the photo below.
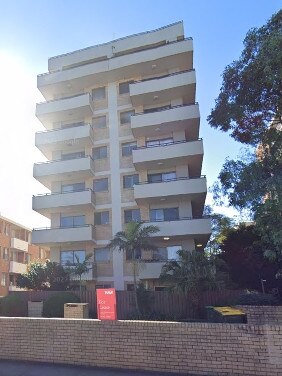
(122, 143)
(16, 252)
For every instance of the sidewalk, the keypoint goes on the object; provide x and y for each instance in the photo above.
(14, 368)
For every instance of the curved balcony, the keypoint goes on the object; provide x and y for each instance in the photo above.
(188, 227)
(167, 120)
(78, 168)
(64, 139)
(170, 154)
(59, 235)
(63, 202)
(172, 190)
(65, 109)
(162, 89)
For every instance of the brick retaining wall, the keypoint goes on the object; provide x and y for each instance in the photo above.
(202, 349)
(257, 315)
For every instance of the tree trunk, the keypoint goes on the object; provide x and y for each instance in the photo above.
(80, 288)
(135, 282)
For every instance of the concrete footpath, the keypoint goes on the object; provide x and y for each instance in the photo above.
(14, 368)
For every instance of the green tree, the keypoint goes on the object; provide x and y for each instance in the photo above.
(136, 237)
(249, 106)
(194, 272)
(49, 276)
(80, 268)
(242, 251)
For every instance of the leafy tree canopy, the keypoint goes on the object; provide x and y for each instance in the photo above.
(250, 96)
(49, 276)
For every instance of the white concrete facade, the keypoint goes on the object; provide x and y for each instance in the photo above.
(122, 140)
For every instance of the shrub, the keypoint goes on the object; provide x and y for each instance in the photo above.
(12, 306)
(54, 306)
(256, 299)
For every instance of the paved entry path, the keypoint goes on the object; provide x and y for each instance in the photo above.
(12, 368)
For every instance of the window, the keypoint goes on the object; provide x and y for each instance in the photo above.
(102, 255)
(75, 187)
(5, 254)
(100, 152)
(73, 221)
(160, 288)
(99, 93)
(162, 142)
(125, 117)
(132, 215)
(126, 149)
(103, 286)
(102, 218)
(78, 154)
(70, 257)
(155, 109)
(168, 214)
(4, 279)
(162, 176)
(72, 125)
(100, 185)
(100, 122)
(160, 254)
(172, 252)
(130, 180)
(124, 87)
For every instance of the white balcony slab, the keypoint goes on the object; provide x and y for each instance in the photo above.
(52, 236)
(19, 244)
(171, 191)
(63, 202)
(199, 229)
(64, 139)
(182, 118)
(78, 168)
(170, 155)
(114, 68)
(17, 267)
(64, 109)
(164, 89)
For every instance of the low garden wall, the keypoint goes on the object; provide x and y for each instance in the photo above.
(196, 348)
(257, 315)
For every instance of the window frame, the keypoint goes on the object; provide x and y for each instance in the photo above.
(124, 84)
(74, 252)
(133, 180)
(100, 98)
(73, 220)
(102, 190)
(99, 125)
(129, 146)
(100, 155)
(101, 222)
(126, 211)
(107, 258)
(123, 119)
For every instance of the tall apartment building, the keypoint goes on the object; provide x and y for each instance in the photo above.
(122, 142)
(16, 251)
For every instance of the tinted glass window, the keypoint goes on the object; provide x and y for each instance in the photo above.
(130, 180)
(100, 185)
(102, 255)
(79, 154)
(125, 117)
(102, 218)
(126, 149)
(124, 87)
(99, 93)
(132, 215)
(100, 153)
(76, 187)
(100, 122)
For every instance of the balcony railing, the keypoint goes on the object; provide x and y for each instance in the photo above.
(177, 219)
(164, 108)
(163, 76)
(165, 144)
(69, 97)
(63, 160)
(62, 193)
(169, 180)
(74, 125)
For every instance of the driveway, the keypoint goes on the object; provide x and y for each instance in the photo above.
(13, 368)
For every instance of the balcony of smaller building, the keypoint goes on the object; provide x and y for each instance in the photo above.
(171, 190)
(19, 244)
(79, 168)
(63, 202)
(167, 119)
(17, 267)
(162, 89)
(170, 154)
(64, 109)
(70, 136)
(61, 235)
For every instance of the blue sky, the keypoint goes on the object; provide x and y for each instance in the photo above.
(33, 30)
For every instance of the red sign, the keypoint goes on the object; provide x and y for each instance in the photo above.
(106, 304)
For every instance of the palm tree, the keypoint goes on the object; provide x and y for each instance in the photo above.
(193, 273)
(135, 238)
(79, 268)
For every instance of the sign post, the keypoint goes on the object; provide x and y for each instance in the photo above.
(106, 304)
